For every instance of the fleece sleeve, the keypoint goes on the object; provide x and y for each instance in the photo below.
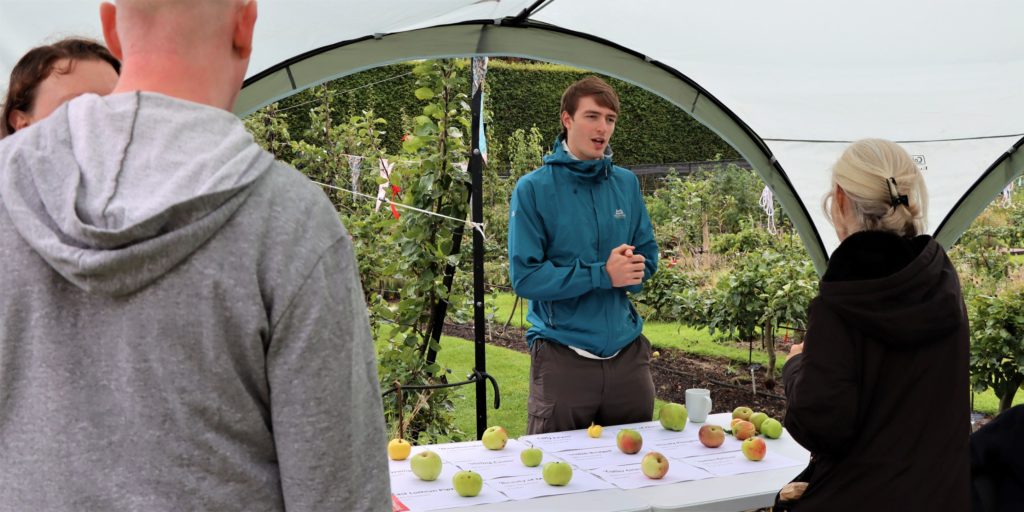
(534, 276)
(821, 386)
(643, 240)
(326, 408)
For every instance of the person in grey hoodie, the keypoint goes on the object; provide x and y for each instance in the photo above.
(181, 320)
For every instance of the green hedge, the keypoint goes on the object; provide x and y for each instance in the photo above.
(520, 95)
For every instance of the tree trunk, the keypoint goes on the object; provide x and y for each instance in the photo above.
(769, 345)
(706, 235)
(1006, 398)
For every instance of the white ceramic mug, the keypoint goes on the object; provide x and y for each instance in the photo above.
(698, 404)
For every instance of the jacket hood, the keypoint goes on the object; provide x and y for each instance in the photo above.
(585, 169)
(114, 192)
(902, 292)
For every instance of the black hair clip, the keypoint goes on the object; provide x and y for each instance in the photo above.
(894, 195)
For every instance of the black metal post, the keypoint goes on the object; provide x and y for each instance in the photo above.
(476, 166)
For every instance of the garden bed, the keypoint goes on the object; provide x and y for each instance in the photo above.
(674, 371)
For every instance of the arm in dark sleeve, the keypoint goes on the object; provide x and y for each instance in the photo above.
(995, 449)
(534, 276)
(821, 386)
(644, 242)
(326, 408)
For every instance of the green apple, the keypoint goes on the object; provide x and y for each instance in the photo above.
(557, 473)
(531, 457)
(711, 436)
(654, 465)
(742, 413)
(495, 438)
(467, 483)
(754, 448)
(757, 418)
(426, 465)
(673, 416)
(629, 441)
(771, 428)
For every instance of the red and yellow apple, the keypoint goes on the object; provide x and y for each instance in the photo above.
(495, 438)
(754, 448)
(629, 441)
(744, 430)
(711, 436)
(654, 465)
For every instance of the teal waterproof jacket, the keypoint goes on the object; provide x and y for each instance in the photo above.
(565, 219)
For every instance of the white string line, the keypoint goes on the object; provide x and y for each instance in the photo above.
(336, 93)
(479, 226)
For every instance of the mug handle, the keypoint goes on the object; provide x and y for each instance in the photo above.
(708, 399)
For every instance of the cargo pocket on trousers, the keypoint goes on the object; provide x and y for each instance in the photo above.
(539, 412)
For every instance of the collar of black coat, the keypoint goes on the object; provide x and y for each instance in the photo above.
(873, 255)
(902, 292)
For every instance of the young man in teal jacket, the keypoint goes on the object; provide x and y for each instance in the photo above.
(579, 239)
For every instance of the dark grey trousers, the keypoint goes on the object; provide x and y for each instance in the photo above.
(569, 391)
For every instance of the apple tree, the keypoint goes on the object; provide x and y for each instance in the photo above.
(997, 343)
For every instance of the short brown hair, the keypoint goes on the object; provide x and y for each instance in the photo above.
(38, 64)
(602, 93)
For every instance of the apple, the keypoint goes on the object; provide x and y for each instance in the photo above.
(743, 430)
(742, 413)
(629, 441)
(557, 473)
(426, 465)
(467, 483)
(754, 448)
(594, 431)
(771, 428)
(732, 424)
(711, 436)
(398, 449)
(757, 418)
(654, 465)
(495, 438)
(531, 457)
(673, 416)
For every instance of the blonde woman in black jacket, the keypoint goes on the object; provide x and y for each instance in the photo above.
(879, 395)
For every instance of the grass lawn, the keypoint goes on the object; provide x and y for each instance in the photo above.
(661, 334)
(512, 371)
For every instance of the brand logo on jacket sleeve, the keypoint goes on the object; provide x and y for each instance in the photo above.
(619, 214)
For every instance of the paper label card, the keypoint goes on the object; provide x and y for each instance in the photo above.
(528, 487)
(734, 463)
(631, 476)
(417, 495)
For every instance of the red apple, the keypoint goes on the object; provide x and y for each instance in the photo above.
(629, 441)
(711, 436)
(744, 430)
(754, 448)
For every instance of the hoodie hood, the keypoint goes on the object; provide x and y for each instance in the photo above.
(901, 292)
(584, 169)
(113, 192)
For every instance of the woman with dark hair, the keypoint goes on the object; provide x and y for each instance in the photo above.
(48, 76)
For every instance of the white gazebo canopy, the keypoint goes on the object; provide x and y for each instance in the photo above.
(787, 83)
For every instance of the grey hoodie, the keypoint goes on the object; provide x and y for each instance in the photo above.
(181, 321)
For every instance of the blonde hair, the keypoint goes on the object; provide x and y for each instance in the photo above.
(866, 172)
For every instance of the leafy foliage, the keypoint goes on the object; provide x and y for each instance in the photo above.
(651, 130)
(997, 343)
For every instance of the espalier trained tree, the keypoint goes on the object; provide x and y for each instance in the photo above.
(402, 255)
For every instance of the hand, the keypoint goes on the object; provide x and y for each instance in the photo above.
(797, 348)
(625, 268)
